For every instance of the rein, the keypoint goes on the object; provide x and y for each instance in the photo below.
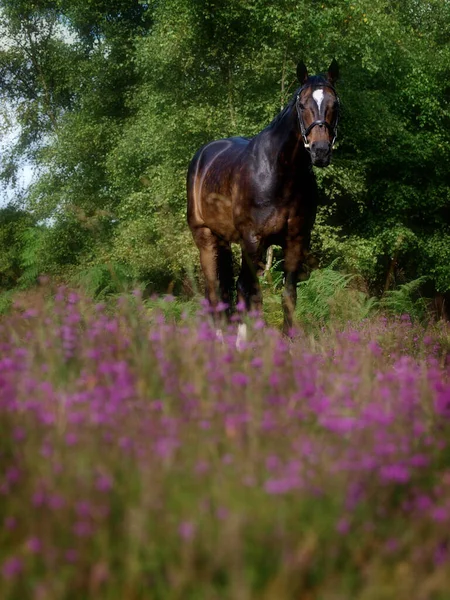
(305, 131)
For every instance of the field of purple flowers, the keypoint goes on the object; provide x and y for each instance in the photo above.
(145, 459)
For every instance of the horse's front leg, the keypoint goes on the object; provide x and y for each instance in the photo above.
(293, 258)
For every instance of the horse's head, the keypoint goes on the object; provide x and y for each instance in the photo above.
(317, 106)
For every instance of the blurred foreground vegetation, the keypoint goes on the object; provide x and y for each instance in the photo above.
(144, 458)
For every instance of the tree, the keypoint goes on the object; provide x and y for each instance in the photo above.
(68, 69)
(14, 222)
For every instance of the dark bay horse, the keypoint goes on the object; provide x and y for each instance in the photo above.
(261, 191)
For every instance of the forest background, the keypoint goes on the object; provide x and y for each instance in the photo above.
(108, 100)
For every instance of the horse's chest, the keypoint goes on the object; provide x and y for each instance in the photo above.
(270, 219)
(269, 207)
(279, 212)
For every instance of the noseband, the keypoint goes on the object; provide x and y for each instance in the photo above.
(305, 131)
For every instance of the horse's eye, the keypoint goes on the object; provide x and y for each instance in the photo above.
(302, 106)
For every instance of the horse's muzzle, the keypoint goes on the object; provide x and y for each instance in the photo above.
(321, 154)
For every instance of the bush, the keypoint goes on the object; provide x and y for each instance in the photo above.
(14, 222)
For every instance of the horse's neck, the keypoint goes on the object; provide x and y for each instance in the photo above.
(281, 142)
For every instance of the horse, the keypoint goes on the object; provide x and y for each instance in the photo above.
(261, 191)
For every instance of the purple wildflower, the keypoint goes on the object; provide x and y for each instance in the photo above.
(395, 473)
(83, 529)
(34, 545)
(343, 525)
(12, 567)
(186, 530)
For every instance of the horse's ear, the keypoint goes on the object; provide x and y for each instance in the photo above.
(302, 72)
(333, 72)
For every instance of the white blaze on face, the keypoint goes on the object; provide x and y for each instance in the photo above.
(318, 97)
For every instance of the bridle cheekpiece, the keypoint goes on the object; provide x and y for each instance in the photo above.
(305, 131)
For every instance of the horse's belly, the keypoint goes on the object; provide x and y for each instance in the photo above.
(218, 215)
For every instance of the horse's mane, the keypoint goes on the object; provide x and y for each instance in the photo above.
(314, 80)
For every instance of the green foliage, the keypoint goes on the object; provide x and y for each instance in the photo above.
(406, 300)
(14, 222)
(113, 98)
(102, 280)
(62, 243)
(330, 297)
(6, 299)
(31, 260)
(57, 248)
(171, 308)
(327, 297)
(152, 240)
(434, 253)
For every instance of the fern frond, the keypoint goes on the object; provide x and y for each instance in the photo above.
(406, 299)
(102, 280)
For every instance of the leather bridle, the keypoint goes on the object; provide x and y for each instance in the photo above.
(305, 131)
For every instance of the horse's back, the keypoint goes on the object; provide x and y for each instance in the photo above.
(210, 183)
(227, 148)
